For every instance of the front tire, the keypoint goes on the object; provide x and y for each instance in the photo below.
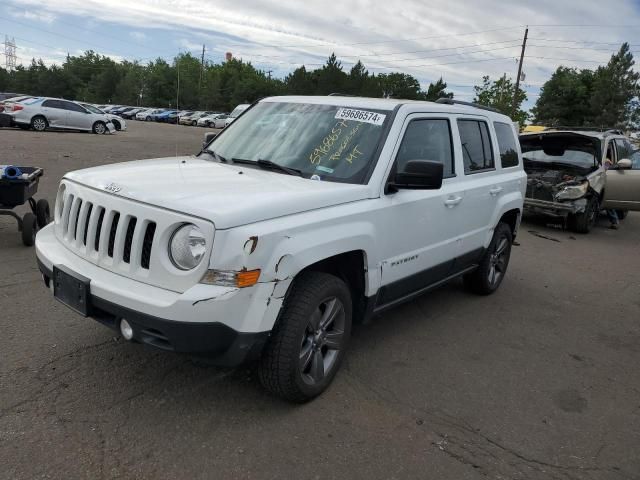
(309, 339)
(493, 266)
(116, 125)
(583, 222)
(99, 128)
(622, 214)
(39, 123)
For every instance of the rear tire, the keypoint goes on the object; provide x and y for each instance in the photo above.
(622, 214)
(39, 123)
(116, 125)
(583, 222)
(493, 266)
(29, 229)
(309, 339)
(22, 126)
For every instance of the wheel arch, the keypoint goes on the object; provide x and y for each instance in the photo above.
(351, 268)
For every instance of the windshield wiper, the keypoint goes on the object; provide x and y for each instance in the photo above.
(218, 157)
(269, 165)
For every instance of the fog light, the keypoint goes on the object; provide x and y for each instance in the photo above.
(126, 330)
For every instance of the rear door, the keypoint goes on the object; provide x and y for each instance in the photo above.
(480, 181)
(622, 190)
(55, 113)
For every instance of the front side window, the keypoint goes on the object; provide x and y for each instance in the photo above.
(327, 142)
(477, 152)
(506, 144)
(428, 139)
(623, 151)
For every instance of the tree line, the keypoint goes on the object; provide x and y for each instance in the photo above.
(606, 96)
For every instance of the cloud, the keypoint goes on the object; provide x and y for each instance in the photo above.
(456, 39)
(39, 16)
(140, 36)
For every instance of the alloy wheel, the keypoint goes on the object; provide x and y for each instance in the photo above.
(498, 260)
(322, 341)
(39, 124)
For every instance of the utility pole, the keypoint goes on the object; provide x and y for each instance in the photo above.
(269, 72)
(201, 74)
(515, 94)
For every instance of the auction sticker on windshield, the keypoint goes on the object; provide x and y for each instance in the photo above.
(360, 116)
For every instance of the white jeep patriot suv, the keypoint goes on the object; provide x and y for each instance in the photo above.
(304, 215)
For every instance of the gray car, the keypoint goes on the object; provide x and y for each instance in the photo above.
(42, 113)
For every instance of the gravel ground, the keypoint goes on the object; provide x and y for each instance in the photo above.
(540, 380)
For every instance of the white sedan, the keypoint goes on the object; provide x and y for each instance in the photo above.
(213, 121)
(42, 113)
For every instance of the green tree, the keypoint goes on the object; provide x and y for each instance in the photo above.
(499, 94)
(437, 90)
(399, 85)
(614, 87)
(565, 98)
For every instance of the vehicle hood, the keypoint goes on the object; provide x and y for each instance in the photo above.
(228, 195)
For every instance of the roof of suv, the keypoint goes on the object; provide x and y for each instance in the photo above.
(385, 104)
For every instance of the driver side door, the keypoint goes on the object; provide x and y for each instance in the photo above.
(622, 190)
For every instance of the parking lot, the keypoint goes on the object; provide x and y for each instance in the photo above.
(540, 380)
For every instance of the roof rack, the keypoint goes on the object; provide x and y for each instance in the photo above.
(451, 101)
(608, 130)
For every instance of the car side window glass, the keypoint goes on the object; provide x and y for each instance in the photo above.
(50, 104)
(428, 139)
(74, 107)
(477, 153)
(621, 146)
(506, 144)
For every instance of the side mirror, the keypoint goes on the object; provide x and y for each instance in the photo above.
(208, 137)
(420, 174)
(623, 164)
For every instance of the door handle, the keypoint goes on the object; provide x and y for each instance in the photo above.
(452, 201)
(495, 191)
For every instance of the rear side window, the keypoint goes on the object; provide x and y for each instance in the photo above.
(477, 152)
(428, 139)
(506, 144)
(51, 104)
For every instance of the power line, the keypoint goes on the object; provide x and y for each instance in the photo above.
(381, 41)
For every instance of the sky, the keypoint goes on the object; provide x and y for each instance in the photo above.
(459, 40)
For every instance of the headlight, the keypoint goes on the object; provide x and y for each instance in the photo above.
(187, 247)
(573, 192)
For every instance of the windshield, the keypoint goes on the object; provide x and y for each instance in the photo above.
(92, 109)
(324, 141)
(571, 150)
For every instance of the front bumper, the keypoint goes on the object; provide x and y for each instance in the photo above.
(556, 209)
(229, 326)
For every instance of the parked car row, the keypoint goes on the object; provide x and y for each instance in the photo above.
(208, 119)
(43, 113)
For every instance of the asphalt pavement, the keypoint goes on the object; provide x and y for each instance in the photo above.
(540, 380)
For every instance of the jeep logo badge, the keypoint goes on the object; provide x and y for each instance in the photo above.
(112, 188)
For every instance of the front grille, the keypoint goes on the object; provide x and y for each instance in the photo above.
(83, 225)
(126, 256)
(123, 236)
(112, 233)
(146, 245)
